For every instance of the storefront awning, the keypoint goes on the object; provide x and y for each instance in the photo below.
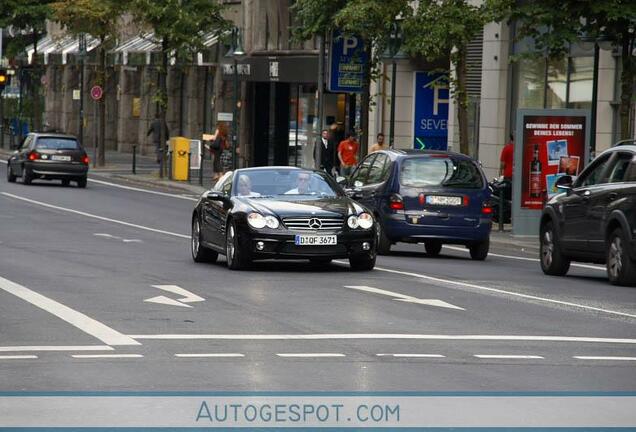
(63, 45)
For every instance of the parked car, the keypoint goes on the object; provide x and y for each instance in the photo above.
(594, 219)
(281, 213)
(429, 197)
(49, 157)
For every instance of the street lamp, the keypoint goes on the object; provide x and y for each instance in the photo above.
(235, 51)
(396, 38)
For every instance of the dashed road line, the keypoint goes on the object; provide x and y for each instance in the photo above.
(210, 355)
(27, 348)
(83, 322)
(93, 216)
(508, 356)
(404, 355)
(310, 355)
(605, 358)
(18, 357)
(106, 356)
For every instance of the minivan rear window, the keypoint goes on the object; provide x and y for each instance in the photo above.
(51, 143)
(440, 171)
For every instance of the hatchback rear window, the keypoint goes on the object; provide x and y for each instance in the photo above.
(49, 143)
(440, 171)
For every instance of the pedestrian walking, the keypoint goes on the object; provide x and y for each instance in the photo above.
(348, 154)
(324, 151)
(379, 144)
(155, 131)
(218, 145)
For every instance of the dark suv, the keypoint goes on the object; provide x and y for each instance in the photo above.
(595, 219)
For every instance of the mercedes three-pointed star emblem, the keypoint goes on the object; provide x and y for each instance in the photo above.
(315, 223)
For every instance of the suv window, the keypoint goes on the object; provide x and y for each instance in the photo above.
(592, 175)
(378, 169)
(360, 175)
(440, 171)
(618, 172)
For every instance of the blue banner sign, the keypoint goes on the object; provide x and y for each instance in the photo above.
(347, 63)
(431, 111)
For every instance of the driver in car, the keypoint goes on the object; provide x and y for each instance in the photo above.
(245, 187)
(302, 187)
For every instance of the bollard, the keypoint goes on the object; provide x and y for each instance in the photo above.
(501, 211)
(134, 161)
(189, 169)
(201, 170)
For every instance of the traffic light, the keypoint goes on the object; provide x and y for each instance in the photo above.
(4, 79)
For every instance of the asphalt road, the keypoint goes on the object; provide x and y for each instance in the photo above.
(92, 298)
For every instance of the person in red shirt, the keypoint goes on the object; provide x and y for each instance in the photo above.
(506, 159)
(348, 154)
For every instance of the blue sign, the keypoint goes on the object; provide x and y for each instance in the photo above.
(431, 111)
(347, 64)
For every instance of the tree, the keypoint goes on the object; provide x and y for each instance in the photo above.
(437, 29)
(98, 18)
(180, 27)
(555, 25)
(28, 20)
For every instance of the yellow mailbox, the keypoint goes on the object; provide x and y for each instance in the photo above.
(180, 160)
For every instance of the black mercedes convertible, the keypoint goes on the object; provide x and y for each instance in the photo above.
(281, 213)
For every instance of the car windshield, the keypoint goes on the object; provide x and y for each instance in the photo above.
(440, 171)
(284, 183)
(50, 143)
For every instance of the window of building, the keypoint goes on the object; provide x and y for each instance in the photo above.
(530, 83)
(581, 78)
(557, 83)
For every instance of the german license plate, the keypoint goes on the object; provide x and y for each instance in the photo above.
(444, 200)
(310, 240)
(61, 158)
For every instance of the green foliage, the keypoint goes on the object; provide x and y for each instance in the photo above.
(98, 18)
(28, 20)
(180, 24)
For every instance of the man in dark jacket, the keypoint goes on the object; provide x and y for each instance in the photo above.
(155, 130)
(324, 151)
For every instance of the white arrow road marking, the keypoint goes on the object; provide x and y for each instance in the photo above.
(105, 235)
(188, 297)
(404, 298)
(117, 238)
(132, 241)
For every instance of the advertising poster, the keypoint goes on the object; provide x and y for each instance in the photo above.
(431, 111)
(553, 146)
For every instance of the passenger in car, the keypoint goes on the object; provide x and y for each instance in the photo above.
(245, 187)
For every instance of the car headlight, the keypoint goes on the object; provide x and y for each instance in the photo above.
(271, 222)
(352, 222)
(365, 220)
(256, 220)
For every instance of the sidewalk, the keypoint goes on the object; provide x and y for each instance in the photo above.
(118, 169)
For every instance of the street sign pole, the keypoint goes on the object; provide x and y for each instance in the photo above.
(96, 94)
(82, 53)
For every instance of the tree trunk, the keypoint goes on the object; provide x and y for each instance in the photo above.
(462, 100)
(163, 104)
(101, 154)
(628, 75)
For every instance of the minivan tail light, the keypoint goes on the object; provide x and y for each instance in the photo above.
(396, 202)
(34, 156)
(486, 209)
(85, 160)
(466, 201)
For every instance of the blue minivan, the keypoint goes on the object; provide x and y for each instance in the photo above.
(429, 197)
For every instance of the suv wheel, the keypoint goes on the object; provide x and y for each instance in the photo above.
(621, 269)
(553, 262)
(433, 247)
(479, 250)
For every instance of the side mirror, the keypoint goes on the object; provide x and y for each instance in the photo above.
(564, 183)
(215, 196)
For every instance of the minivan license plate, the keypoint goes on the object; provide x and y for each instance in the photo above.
(310, 240)
(444, 200)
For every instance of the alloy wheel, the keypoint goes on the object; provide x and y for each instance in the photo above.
(196, 230)
(548, 248)
(230, 243)
(615, 261)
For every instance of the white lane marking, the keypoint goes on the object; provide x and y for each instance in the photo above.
(132, 241)
(83, 322)
(105, 235)
(365, 336)
(309, 355)
(57, 348)
(96, 356)
(188, 297)
(500, 291)
(605, 358)
(3, 161)
(117, 238)
(210, 355)
(95, 216)
(412, 355)
(507, 356)
(585, 266)
(105, 183)
(17, 357)
(404, 298)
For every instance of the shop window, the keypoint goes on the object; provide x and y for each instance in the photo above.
(530, 82)
(580, 82)
(557, 87)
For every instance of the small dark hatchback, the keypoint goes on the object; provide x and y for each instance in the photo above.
(429, 197)
(49, 156)
(594, 219)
